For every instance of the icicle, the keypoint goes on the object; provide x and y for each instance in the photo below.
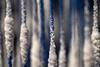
(9, 34)
(24, 43)
(96, 36)
(62, 53)
(36, 49)
(74, 58)
(88, 59)
(52, 61)
(40, 4)
(0, 52)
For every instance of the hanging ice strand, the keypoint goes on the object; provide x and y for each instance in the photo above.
(36, 48)
(62, 52)
(24, 43)
(43, 48)
(74, 56)
(52, 61)
(88, 59)
(9, 34)
(96, 36)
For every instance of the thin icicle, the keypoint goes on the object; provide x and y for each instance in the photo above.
(52, 61)
(74, 58)
(62, 53)
(9, 34)
(24, 43)
(36, 49)
(96, 36)
(40, 4)
(88, 59)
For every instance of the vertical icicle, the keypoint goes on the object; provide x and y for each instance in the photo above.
(0, 52)
(88, 59)
(74, 58)
(62, 53)
(9, 34)
(52, 61)
(96, 36)
(24, 43)
(36, 49)
(40, 4)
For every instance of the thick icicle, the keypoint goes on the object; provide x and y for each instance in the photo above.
(24, 43)
(52, 61)
(36, 48)
(9, 34)
(96, 36)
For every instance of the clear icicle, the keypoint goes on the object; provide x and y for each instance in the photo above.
(9, 34)
(62, 53)
(96, 36)
(88, 59)
(24, 43)
(36, 49)
(74, 59)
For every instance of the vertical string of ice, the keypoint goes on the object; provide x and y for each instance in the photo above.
(24, 43)
(36, 48)
(9, 34)
(62, 52)
(88, 59)
(52, 61)
(96, 36)
(74, 56)
(40, 4)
